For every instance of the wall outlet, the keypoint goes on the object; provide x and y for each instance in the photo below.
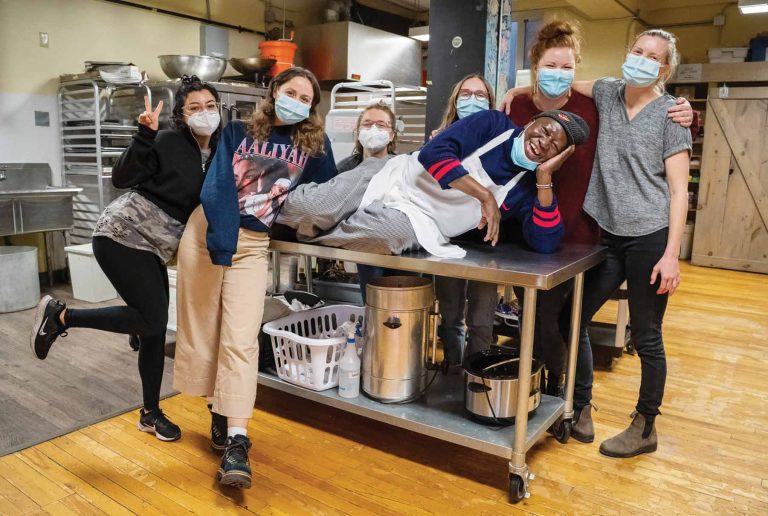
(44, 39)
(42, 119)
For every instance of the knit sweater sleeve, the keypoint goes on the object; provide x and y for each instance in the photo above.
(543, 227)
(219, 199)
(442, 155)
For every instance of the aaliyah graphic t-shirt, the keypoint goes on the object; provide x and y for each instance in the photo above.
(249, 179)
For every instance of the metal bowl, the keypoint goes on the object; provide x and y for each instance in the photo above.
(205, 67)
(250, 65)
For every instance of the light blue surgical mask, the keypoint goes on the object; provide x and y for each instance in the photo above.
(640, 71)
(470, 106)
(518, 153)
(554, 82)
(290, 111)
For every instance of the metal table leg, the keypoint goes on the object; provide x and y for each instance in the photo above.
(518, 469)
(573, 344)
(308, 272)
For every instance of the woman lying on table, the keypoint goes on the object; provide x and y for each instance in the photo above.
(475, 172)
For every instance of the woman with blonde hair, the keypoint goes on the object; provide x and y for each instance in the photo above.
(222, 267)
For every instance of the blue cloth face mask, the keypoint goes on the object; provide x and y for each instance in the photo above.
(554, 82)
(290, 111)
(518, 153)
(640, 71)
(470, 106)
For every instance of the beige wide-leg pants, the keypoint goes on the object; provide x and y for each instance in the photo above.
(219, 311)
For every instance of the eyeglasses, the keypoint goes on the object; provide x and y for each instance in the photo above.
(479, 95)
(199, 108)
(370, 123)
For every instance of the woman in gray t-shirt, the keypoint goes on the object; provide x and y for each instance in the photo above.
(638, 196)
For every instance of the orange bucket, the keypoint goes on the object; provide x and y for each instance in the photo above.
(282, 51)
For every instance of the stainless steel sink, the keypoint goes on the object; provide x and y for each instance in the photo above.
(29, 204)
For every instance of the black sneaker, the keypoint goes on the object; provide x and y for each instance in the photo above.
(46, 326)
(235, 470)
(218, 431)
(134, 342)
(155, 422)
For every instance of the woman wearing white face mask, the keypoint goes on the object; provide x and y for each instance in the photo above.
(139, 232)
(224, 253)
(376, 136)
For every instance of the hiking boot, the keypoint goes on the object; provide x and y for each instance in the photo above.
(154, 421)
(46, 327)
(583, 429)
(235, 470)
(639, 438)
(218, 431)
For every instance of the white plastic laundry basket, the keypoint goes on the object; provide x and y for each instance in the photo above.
(306, 350)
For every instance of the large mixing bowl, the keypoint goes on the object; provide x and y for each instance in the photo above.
(251, 65)
(205, 67)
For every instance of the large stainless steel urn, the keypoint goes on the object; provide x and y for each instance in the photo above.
(397, 315)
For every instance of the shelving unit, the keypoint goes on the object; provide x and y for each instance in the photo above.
(700, 84)
(90, 144)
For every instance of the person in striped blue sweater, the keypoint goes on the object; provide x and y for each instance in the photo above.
(481, 169)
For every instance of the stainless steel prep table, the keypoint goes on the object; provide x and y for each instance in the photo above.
(440, 412)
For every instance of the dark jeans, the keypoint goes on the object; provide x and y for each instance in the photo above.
(141, 279)
(631, 259)
(478, 300)
(550, 330)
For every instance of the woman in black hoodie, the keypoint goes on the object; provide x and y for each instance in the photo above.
(139, 232)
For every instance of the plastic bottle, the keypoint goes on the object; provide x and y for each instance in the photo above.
(349, 369)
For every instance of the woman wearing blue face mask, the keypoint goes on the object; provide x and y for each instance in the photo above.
(457, 296)
(224, 254)
(638, 196)
(471, 94)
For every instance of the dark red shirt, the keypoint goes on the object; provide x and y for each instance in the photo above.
(572, 180)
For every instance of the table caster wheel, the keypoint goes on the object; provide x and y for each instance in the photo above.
(516, 488)
(561, 429)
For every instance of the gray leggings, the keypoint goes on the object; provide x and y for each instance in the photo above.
(329, 214)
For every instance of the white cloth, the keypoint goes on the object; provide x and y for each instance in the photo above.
(436, 214)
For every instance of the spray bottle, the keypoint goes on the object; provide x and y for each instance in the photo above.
(349, 367)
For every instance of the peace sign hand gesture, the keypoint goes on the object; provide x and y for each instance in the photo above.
(149, 117)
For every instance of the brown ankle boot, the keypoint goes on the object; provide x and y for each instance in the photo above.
(583, 429)
(639, 438)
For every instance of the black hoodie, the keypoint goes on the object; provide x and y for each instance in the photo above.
(166, 167)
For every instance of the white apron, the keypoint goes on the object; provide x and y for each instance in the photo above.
(436, 214)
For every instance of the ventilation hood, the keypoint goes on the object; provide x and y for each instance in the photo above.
(347, 51)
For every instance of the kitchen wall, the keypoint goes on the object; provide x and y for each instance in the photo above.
(605, 41)
(82, 30)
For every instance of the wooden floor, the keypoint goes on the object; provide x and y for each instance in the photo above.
(88, 376)
(310, 459)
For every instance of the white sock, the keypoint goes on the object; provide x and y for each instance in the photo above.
(236, 430)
